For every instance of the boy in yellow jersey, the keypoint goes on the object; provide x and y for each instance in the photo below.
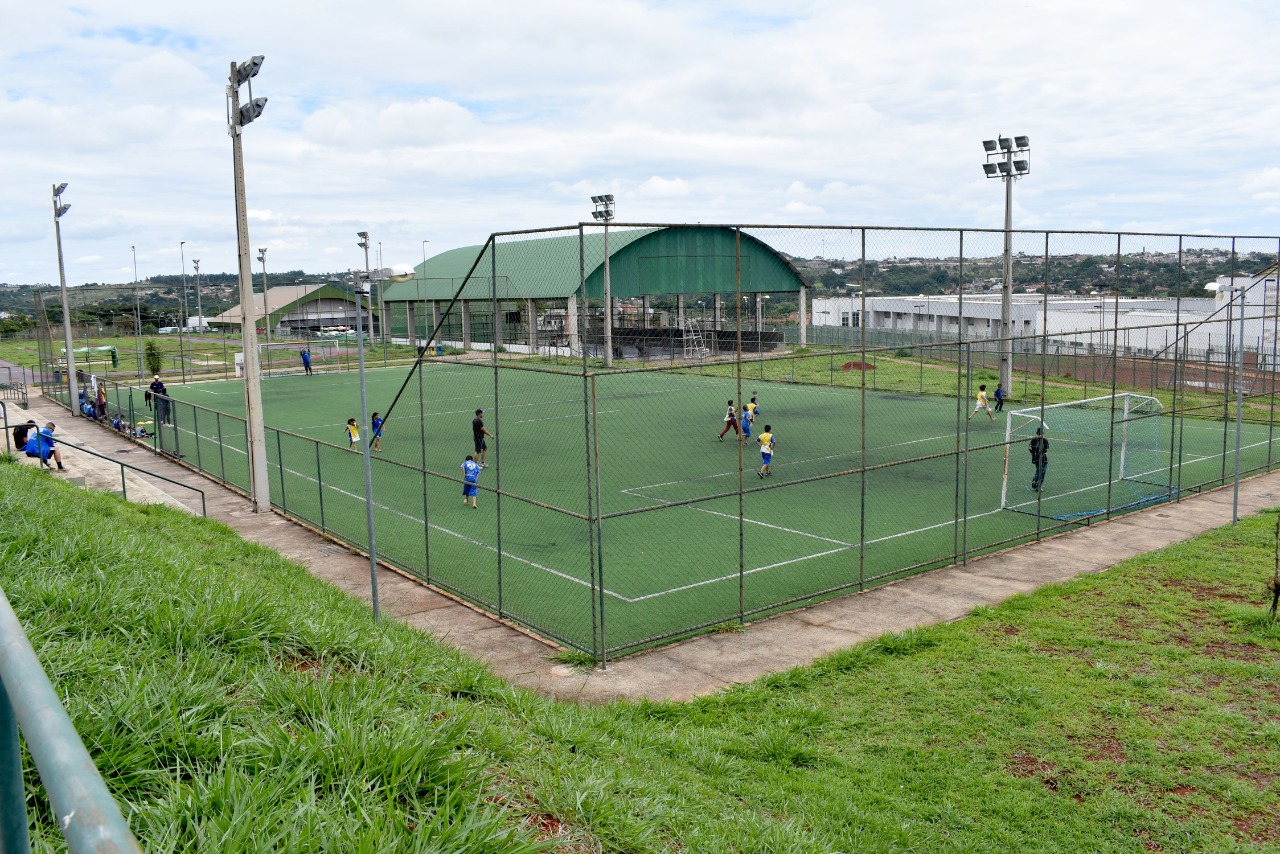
(353, 434)
(767, 443)
(981, 405)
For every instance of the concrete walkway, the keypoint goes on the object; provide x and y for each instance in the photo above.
(700, 666)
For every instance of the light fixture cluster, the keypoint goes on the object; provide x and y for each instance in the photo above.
(1007, 158)
(604, 207)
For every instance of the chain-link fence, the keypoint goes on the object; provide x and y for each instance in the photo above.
(626, 498)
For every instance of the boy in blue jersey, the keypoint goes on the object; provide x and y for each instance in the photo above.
(749, 413)
(377, 432)
(40, 444)
(470, 475)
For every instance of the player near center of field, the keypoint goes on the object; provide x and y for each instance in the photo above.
(767, 443)
(377, 432)
(353, 434)
(730, 421)
(749, 413)
(478, 432)
(981, 404)
(470, 476)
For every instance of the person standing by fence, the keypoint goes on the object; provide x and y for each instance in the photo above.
(306, 361)
(1039, 447)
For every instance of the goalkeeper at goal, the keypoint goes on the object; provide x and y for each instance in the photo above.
(1039, 447)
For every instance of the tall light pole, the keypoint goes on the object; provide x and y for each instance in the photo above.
(195, 262)
(137, 309)
(266, 307)
(1007, 159)
(604, 213)
(364, 423)
(1241, 288)
(237, 118)
(428, 324)
(73, 387)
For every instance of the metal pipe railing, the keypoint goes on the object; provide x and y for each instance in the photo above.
(86, 812)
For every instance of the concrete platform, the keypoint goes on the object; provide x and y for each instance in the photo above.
(682, 671)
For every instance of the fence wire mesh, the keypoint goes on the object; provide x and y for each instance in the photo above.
(619, 505)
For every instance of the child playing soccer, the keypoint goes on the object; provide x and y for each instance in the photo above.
(470, 475)
(377, 432)
(749, 413)
(353, 434)
(981, 404)
(767, 443)
(730, 421)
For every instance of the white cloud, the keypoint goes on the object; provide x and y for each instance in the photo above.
(447, 122)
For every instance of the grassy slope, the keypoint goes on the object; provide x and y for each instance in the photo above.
(234, 703)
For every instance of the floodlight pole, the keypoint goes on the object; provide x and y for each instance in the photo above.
(73, 386)
(1235, 494)
(1007, 169)
(365, 426)
(195, 262)
(137, 309)
(259, 485)
(604, 213)
(266, 306)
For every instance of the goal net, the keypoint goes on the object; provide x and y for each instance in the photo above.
(1103, 454)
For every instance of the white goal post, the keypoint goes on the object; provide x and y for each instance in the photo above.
(1104, 453)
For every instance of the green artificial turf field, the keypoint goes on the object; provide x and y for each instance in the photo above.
(690, 535)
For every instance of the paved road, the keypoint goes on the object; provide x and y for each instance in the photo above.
(681, 671)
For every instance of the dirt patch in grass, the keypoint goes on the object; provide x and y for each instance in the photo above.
(1105, 750)
(1259, 827)
(1205, 593)
(1235, 651)
(1028, 767)
(1148, 844)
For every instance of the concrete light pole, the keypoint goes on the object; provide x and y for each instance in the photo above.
(266, 307)
(237, 118)
(1007, 168)
(365, 427)
(73, 386)
(195, 262)
(137, 309)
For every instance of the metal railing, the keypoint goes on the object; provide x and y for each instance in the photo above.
(85, 810)
(124, 485)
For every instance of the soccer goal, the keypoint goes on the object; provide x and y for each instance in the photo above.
(286, 356)
(1103, 452)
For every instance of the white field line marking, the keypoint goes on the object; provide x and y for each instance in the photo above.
(451, 532)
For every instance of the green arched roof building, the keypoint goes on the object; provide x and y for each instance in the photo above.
(643, 262)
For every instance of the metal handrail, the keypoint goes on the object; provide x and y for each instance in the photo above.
(124, 488)
(85, 810)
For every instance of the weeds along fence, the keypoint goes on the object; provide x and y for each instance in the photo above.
(610, 515)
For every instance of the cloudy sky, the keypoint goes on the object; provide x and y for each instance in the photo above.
(425, 120)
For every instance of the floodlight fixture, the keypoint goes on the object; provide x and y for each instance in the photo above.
(991, 170)
(262, 254)
(1006, 144)
(60, 210)
(1003, 167)
(251, 110)
(1022, 167)
(1022, 142)
(989, 145)
(249, 68)
(57, 191)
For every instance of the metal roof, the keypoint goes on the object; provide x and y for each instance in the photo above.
(643, 261)
(282, 299)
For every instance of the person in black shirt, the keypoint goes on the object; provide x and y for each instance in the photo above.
(1039, 447)
(478, 432)
(20, 434)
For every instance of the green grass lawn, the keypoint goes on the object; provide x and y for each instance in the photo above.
(233, 703)
(819, 525)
